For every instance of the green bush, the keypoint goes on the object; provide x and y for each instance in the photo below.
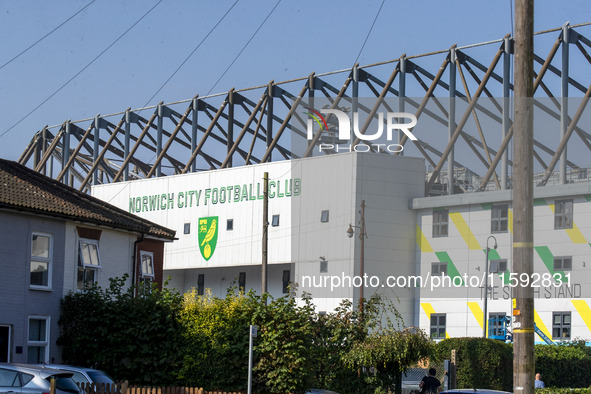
(565, 365)
(480, 363)
(554, 390)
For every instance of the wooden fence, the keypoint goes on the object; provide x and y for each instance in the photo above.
(125, 388)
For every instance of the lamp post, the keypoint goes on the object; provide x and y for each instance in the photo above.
(362, 236)
(484, 319)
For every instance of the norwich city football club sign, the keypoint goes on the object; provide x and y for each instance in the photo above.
(208, 236)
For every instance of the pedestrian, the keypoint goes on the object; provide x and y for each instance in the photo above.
(430, 384)
(539, 384)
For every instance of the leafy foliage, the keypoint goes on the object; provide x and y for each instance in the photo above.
(553, 361)
(481, 362)
(132, 338)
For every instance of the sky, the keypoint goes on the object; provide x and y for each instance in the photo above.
(118, 54)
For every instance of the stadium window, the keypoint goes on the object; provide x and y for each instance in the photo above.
(440, 223)
(242, 281)
(497, 266)
(324, 216)
(564, 263)
(187, 228)
(499, 218)
(438, 325)
(230, 224)
(438, 269)
(285, 280)
(563, 214)
(495, 323)
(200, 284)
(275, 221)
(561, 325)
(323, 266)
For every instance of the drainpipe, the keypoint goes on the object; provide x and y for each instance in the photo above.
(134, 262)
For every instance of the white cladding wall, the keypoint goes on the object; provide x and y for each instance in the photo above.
(464, 251)
(336, 183)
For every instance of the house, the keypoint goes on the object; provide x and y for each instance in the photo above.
(55, 239)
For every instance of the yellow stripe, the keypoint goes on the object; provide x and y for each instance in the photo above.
(523, 244)
(510, 221)
(574, 233)
(584, 311)
(477, 312)
(541, 325)
(522, 330)
(422, 241)
(464, 230)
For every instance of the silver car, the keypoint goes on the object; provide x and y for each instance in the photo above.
(84, 375)
(31, 379)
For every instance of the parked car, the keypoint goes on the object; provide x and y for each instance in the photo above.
(83, 375)
(33, 379)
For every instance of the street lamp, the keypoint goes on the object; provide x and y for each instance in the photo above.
(362, 236)
(485, 320)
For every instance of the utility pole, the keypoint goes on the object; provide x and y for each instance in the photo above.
(265, 233)
(523, 327)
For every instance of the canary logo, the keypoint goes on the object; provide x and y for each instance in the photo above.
(208, 236)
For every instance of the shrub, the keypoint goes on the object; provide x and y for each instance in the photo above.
(553, 362)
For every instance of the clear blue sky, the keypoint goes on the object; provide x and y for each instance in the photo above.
(300, 37)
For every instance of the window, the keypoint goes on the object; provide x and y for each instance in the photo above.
(438, 269)
(496, 324)
(285, 280)
(187, 228)
(323, 266)
(200, 284)
(275, 221)
(564, 263)
(324, 216)
(38, 343)
(561, 325)
(41, 256)
(230, 224)
(563, 214)
(9, 378)
(497, 266)
(242, 281)
(438, 325)
(88, 263)
(440, 223)
(147, 263)
(499, 218)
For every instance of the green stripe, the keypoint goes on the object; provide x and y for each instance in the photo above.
(548, 259)
(486, 206)
(588, 197)
(493, 254)
(452, 270)
(539, 201)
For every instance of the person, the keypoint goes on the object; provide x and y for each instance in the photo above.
(539, 382)
(430, 384)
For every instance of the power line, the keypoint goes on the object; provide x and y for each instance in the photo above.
(192, 52)
(80, 72)
(243, 48)
(45, 36)
(369, 32)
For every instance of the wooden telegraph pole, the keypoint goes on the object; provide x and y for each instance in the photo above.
(523, 326)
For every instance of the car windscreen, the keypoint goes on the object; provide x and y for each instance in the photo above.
(65, 383)
(100, 377)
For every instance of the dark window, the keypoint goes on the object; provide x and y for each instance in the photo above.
(564, 263)
(285, 280)
(275, 221)
(438, 325)
(323, 266)
(242, 281)
(563, 214)
(438, 268)
(440, 223)
(496, 323)
(324, 216)
(497, 266)
(561, 325)
(499, 218)
(200, 284)
(187, 228)
(230, 224)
